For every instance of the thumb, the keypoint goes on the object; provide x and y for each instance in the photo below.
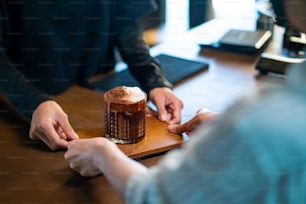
(175, 128)
(68, 130)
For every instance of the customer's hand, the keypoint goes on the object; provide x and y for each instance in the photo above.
(168, 106)
(50, 124)
(94, 156)
(203, 115)
(86, 156)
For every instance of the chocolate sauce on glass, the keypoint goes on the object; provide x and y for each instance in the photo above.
(124, 114)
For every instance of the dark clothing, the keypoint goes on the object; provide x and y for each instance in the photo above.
(46, 46)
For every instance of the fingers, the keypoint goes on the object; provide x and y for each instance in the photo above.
(175, 113)
(168, 105)
(66, 127)
(69, 155)
(163, 114)
(81, 155)
(40, 136)
(61, 132)
(51, 125)
(203, 115)
(187, 127)
(48, 134)
(206, 114)
(170, 112)
(72, 158)
(178, 129)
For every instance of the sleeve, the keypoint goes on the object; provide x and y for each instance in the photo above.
(201, 172)
(19, 90)
(13, 84)
(134, 51)
(242, 158)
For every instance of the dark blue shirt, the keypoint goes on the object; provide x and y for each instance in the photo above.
(46, 46)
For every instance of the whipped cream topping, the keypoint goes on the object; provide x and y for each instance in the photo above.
(124, 95)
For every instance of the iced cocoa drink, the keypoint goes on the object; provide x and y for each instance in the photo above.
(124, 112)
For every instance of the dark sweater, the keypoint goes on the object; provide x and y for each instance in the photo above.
(46, 46)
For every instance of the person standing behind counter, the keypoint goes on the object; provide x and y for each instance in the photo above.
(253, 153)
(47, 46)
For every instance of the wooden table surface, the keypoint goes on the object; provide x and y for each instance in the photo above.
(87, 118)
(31, 173)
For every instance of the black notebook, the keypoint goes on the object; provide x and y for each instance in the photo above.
(242, 41)
(176, 69)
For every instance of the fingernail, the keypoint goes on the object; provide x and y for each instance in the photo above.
(162, 118)
(76, 136)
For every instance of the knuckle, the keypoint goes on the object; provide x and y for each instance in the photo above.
(42, 125)
(65, 115)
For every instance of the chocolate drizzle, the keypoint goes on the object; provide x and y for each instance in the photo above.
(125, 114)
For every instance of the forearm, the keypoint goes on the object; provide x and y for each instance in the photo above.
(18, 89)
(118, 168)
(135, 53)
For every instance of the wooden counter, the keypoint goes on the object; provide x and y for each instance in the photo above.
(31, 173)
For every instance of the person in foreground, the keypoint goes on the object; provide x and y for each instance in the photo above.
(253, 153)
(46, 47)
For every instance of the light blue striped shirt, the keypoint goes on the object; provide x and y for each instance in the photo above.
(255, 153)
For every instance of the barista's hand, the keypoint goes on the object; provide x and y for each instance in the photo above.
(203, 115)
(168, 106)
(50, 124)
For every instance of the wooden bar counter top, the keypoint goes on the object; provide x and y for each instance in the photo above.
(30, 173)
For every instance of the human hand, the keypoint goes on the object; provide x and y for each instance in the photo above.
(94, 156)
(203, 115)
(85, 156)
(168, 106)
(50, 124)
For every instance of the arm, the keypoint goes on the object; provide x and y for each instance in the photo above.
(135, 53)
(24, 96)
(18, 89)
(210, 162)
(93, 156)
(244, 158)
(49, 123)
(133, 49)
(250, 155)
(147, 70)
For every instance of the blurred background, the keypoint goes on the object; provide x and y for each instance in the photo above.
(176, 16)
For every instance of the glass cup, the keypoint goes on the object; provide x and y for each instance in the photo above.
(124, 114)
